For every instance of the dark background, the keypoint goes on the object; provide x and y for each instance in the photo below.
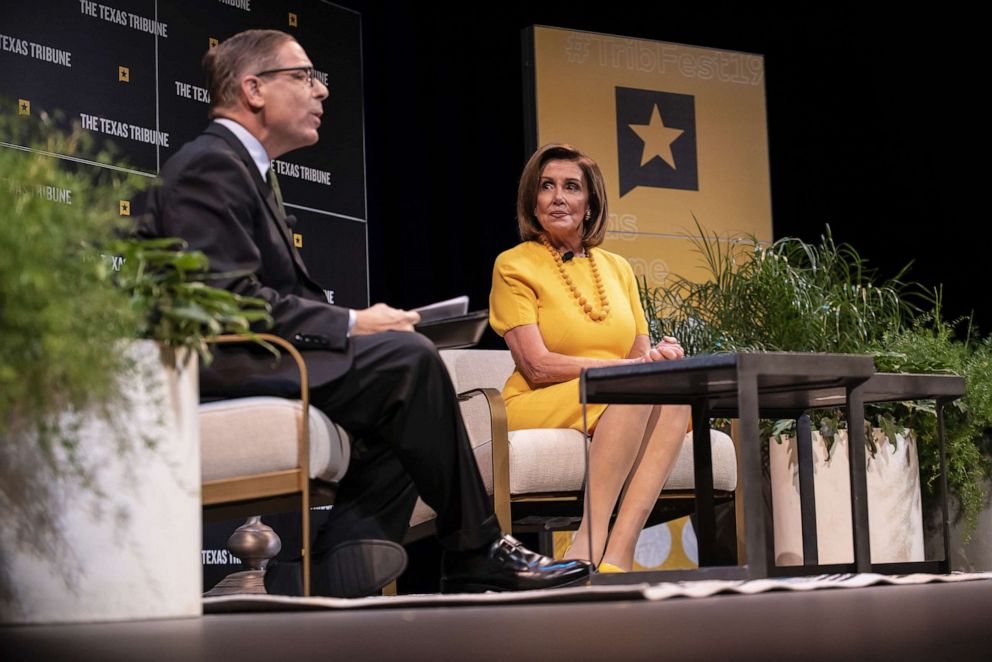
(872, 119)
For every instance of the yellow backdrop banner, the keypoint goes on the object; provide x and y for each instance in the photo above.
(680, 133)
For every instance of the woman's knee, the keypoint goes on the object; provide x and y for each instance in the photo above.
(635, 415)
(625, 422)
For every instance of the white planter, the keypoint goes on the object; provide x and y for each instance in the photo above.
(130, 552)
(895, 516)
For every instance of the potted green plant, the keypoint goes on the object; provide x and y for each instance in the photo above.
(796, 296)
(99, 447)
(933, 345)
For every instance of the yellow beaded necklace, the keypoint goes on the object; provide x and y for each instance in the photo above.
(584, 304)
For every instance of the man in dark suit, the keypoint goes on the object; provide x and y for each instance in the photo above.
(369, 372)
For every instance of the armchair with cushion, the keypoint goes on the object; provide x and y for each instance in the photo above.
(263, 455)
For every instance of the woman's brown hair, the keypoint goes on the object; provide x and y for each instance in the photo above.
(594, 229)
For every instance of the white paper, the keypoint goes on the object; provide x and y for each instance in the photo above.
(443, 309)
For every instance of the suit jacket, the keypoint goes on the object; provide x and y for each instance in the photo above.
(211, 195)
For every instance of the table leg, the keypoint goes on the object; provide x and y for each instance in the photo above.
(807, 492)
(859, 478)
(759, 565)
(740, 523)
(945, 520)
(583, 398)
(702, 457)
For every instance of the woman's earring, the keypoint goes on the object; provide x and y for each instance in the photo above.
(588, 214)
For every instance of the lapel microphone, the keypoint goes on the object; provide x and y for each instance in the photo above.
(567, 256)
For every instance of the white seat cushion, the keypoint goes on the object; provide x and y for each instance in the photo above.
(246, 436)
(546, 460)
(554, 461)
(724, 464)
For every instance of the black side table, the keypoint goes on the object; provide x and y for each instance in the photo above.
(742, 385)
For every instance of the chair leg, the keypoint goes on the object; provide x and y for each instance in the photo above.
(256, 544)
(305, 530)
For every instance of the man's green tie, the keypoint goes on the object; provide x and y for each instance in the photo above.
(274, 184)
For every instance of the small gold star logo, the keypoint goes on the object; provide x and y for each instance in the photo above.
(298, 240)
(23, 107)
(657, 138)
(125, 207)
(293, 20)
(123, 74)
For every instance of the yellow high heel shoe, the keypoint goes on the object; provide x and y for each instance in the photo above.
(609, 567)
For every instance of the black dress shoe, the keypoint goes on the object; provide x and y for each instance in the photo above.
(352, 569)
(506, 565)
(284, 578)
(358, 568)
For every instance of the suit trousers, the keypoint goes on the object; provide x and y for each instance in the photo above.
(399, 405)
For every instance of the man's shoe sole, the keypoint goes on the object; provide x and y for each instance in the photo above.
(358, 568)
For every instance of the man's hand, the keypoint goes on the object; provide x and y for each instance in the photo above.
(381, 317)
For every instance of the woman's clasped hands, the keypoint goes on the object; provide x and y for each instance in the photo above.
(668, 349)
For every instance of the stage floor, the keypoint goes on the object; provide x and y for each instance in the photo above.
(920, 622)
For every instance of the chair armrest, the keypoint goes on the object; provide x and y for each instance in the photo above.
(501, 452)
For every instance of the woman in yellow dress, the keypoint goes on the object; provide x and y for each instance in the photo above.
(563, 304)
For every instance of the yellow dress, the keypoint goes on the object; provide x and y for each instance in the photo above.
(528, 289)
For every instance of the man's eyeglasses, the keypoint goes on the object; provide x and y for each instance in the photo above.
(307, 71)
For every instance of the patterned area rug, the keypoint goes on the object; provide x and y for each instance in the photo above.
(651, 592)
